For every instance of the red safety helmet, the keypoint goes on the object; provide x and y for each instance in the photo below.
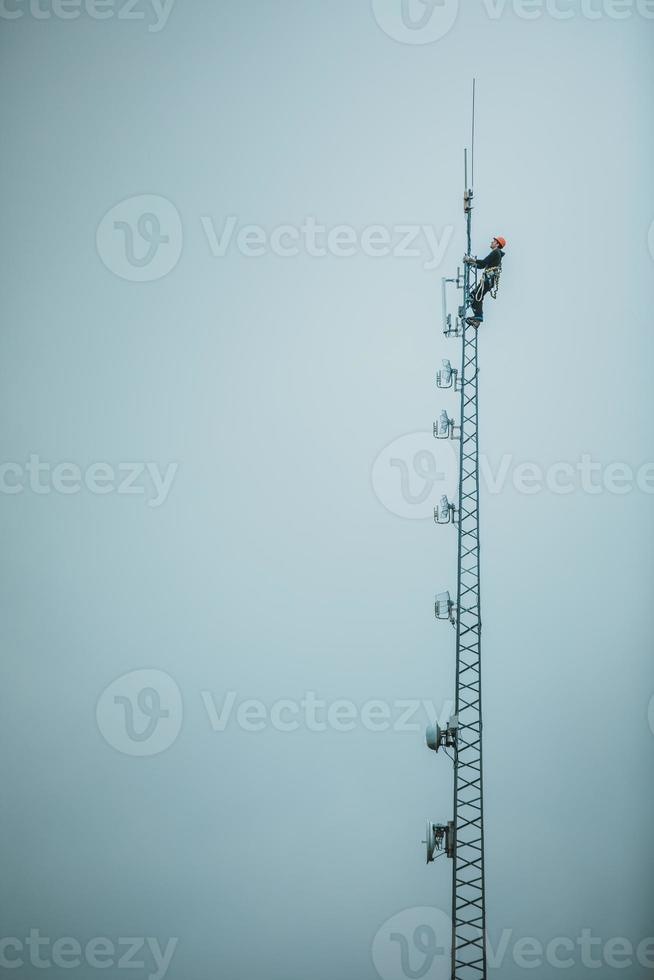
(501, 241)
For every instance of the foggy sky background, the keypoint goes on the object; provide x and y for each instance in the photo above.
(273, 568)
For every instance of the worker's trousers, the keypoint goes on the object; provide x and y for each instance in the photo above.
(477, 296)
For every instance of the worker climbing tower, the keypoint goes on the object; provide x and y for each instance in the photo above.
(462, 838)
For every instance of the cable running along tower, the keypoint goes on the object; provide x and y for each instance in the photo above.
(462, 838)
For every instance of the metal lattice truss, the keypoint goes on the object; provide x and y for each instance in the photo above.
(468, 900)
(464, 835)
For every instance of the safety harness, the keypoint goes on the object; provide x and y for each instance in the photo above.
(491, 277)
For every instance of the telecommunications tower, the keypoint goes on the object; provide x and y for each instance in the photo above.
(462, 838)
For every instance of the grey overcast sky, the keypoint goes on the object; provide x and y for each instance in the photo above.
(218, 367)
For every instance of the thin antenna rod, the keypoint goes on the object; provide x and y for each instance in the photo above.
(474, 87)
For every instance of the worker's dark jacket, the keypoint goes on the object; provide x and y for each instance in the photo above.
(492, 260)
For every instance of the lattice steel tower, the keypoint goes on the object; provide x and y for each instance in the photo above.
(462, 839)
